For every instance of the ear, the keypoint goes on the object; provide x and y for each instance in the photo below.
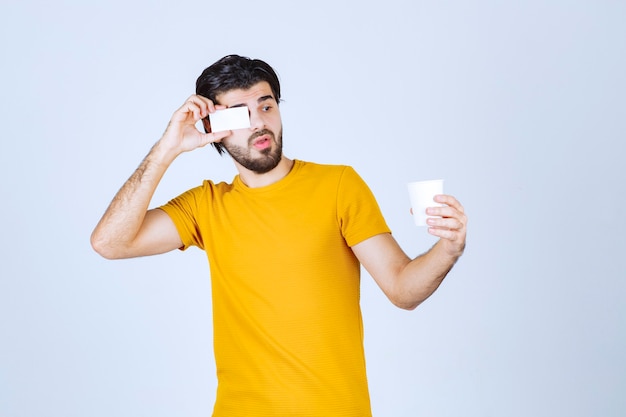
(207, 124)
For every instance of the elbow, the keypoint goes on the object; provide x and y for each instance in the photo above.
(406, 305)
(407, 301)
(409, 307)
(100, 246)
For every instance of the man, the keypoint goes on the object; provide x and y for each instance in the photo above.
(285, 241)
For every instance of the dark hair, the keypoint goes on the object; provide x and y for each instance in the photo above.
(235, 72)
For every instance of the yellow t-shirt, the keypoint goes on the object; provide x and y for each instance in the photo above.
(288, 332)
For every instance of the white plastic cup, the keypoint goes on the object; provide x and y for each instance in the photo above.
(422, 194)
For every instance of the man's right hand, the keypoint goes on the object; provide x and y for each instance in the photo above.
(182, 135)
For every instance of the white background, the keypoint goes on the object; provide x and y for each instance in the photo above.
(520, 106)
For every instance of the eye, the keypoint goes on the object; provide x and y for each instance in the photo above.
(266, 108)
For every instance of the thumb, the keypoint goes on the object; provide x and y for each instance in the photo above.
(213, 137)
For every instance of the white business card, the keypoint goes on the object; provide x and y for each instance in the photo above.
(229, 119)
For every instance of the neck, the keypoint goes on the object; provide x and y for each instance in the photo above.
(255, 180)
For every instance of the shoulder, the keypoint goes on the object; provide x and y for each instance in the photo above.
(216, 187)
(335, 176)
(206, 191)
(329, 170)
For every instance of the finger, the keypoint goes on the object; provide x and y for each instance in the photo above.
(453, 242)
(450, 201)
(450, 235)
(443, 211)
(448, 223)
(210, 105)
(190, 110)
(199, 106)
(447, 217)
(213, 137)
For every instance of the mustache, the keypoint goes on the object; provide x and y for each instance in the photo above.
(260, 133)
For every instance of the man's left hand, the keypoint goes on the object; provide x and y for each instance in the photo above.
(450, 226)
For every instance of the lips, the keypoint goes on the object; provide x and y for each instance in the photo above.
(263, 141)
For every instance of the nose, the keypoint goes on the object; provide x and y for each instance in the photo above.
(256, 120)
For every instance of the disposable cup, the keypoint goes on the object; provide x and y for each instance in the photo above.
(421, 194)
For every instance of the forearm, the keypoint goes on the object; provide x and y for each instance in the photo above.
(421, 277)
(121, 222)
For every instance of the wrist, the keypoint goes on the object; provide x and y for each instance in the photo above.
(451, 249)
(162, 154)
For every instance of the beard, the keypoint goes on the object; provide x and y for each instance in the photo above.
(260, 164)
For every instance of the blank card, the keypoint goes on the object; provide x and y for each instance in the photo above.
(229, 119)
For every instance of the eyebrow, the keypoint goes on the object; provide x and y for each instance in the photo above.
(259, 100)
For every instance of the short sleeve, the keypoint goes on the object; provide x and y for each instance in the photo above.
(183, 210)
(358, 212)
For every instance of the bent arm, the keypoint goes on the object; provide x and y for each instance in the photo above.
(406, 282)
(127, 228)
(409, 282)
